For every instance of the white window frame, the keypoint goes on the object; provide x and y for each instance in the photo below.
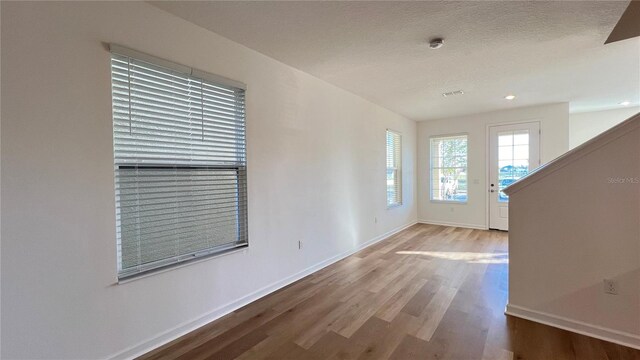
(396, 169)
(431, 167)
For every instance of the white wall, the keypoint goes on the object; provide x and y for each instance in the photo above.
(316, 170)
(554, 122)
(584, 126)
(571, 226)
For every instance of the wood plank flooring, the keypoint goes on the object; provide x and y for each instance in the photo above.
(429, 292)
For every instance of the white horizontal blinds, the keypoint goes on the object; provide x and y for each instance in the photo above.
(164, 117)
(180, 170)
(394, 168)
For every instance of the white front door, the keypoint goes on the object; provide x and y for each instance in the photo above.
(514, 150)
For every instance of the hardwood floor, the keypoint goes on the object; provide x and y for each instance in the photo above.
(429, 292)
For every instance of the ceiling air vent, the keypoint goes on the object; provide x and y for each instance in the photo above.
(452, 93)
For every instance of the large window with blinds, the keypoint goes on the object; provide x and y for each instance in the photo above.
(180, 168)
(394, 168)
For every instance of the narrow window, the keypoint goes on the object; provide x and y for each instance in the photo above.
(449, 168)
(394, 169)
(179, 156)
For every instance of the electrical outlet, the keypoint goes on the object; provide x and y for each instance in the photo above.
(610, 287)
(375, 220)
(299, 244)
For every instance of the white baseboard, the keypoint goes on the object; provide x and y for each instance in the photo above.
(189, 326)
(599, 332)
(446, 223)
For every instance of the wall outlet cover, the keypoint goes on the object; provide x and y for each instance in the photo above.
(610, 287)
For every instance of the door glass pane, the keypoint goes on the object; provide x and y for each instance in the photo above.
(505, 140)
(513, 159)
(521, 137)
(521, 152)
(505, 152)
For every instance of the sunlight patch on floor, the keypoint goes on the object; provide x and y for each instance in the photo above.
(470, 257)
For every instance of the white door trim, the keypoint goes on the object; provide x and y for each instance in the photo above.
(488, 159)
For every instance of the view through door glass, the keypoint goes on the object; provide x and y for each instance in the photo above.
(513, 159)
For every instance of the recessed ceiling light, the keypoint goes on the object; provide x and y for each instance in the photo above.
(625, 103)
(510, 97)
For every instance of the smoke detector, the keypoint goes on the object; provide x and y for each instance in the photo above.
(436, 43)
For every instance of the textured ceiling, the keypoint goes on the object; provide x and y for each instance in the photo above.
(629, 24)
(543, 52)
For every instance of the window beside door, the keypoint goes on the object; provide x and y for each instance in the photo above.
(448, 169)
(394, 169)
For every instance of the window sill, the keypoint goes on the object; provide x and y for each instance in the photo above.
(171, 267)
(389, 207)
